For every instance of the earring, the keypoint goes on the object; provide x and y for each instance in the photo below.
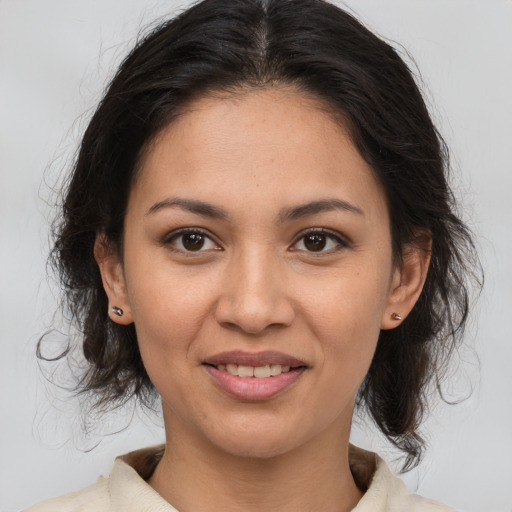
(117, 311)
(396, 316)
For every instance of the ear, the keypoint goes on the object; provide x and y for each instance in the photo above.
(408, 280)
(108, 259)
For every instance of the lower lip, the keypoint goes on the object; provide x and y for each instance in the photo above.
(253, 388)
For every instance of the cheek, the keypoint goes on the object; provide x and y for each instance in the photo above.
(168, 312)
(345, 312)
(348, 302)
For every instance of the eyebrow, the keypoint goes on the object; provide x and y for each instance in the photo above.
(191, 205)
(285, 215)
(314, 207)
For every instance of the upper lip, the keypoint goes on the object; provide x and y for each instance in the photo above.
(254, 359)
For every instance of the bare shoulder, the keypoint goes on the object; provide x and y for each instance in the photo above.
(95, 498)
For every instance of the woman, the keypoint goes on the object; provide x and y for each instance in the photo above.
(258, 227)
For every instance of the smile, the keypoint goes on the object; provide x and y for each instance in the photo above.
(259, 372)
(254, 377)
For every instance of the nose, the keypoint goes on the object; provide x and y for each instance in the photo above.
(255, 295)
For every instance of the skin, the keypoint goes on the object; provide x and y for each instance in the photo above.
(255, 286)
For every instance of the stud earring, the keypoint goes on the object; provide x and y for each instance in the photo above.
(117, 311)
(396, 316)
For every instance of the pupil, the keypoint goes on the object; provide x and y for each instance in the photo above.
(193, 242)
(315, 242)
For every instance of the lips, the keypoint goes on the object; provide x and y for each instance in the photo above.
(254, 359)
(254, 376)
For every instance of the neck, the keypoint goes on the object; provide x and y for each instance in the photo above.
(194, 475)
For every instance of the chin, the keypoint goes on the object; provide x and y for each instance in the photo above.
(255, 448)
(269, 439)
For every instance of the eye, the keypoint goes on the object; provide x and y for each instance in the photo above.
(319, 241)
(191, 240)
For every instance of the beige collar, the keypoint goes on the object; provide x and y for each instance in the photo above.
(130, 492)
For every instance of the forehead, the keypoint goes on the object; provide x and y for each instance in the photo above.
(259, 144)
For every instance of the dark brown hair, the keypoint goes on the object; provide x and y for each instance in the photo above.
(321, 50)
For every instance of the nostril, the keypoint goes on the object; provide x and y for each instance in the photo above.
(254, 294)
(253, 315)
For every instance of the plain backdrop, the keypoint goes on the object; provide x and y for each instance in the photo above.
(55, 59)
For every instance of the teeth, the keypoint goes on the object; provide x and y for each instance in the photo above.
(245, 371)
(232, 369)
(260, 372)
(276, 369)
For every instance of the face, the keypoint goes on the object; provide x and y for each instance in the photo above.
(257, 268)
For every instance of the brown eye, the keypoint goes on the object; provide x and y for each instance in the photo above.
(316, 242)
(319, 242)
(193, 241)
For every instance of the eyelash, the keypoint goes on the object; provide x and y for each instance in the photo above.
(175, 235)
(340, 242)
(169, 240)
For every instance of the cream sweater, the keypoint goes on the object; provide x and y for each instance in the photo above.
(126, 490)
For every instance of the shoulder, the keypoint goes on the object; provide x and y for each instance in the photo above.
(125, 490)
(387, 493)
(93, 498)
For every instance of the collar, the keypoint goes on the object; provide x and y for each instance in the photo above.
(130, 492)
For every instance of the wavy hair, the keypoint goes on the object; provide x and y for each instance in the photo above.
(324, 52)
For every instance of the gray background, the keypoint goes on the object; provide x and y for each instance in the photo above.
(55, 58)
